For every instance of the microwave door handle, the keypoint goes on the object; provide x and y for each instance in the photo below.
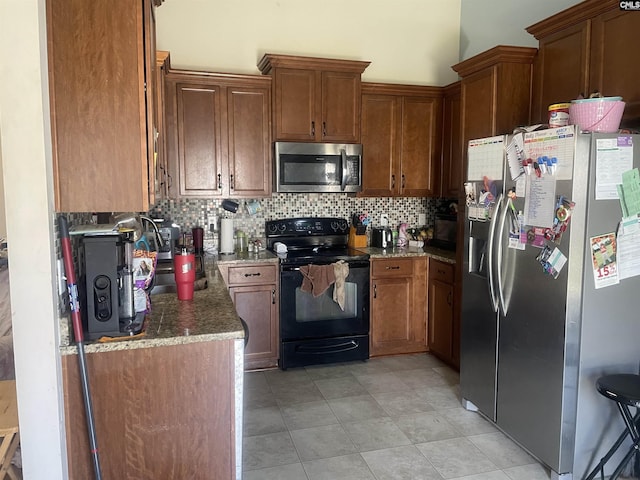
(345, 170)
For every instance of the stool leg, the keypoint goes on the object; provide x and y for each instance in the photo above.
(614, 448)
(632, 428)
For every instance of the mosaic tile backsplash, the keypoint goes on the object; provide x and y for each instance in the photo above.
(189, 213)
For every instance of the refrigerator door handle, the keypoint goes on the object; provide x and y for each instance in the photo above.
(491, 253)
(499, 255)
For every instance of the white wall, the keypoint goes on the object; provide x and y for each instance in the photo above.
(487, 23)
(3, 220)
(26, 153)
(412, 41)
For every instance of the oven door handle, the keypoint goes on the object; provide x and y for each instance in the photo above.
(321, 350)
(352, 265)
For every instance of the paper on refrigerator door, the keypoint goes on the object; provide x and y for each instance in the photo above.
(556, 143)
(516, 155)
(628, 242)
(485, 158)
(540, 201)
(614, 156)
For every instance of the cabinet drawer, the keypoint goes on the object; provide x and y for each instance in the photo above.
(252, 275)
(392, 267)
(441, 271)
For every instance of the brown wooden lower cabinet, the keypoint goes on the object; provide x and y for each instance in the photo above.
(398, 305)
(160, 412)
(442, 331)
(254, 289)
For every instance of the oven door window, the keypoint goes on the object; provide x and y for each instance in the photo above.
(304, 316)
(322, 308)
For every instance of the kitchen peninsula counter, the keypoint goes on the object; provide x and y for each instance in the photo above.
(191, 354)
(210, 316)
(446, 256)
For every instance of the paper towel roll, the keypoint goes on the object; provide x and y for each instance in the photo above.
(226, 235)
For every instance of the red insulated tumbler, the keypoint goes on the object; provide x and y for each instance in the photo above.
(184, 266)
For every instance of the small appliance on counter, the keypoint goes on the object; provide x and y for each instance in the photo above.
(106, 286)
(381, 237)
(170, 233)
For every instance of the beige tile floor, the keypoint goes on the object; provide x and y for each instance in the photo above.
(385, 419)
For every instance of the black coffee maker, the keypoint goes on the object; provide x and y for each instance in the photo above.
(106, 285)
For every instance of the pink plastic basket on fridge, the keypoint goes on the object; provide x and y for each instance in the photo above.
(597, 114)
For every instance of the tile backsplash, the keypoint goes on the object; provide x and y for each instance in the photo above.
(189, 213)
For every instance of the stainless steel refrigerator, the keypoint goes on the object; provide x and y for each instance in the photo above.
(536, 334)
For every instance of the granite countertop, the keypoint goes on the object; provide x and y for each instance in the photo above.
(210, 316)
(248, 257)
(447, 256)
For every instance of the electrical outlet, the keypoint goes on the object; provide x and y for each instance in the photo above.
(384, 220)
(422, 219)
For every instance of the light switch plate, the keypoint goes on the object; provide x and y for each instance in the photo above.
(422, 219)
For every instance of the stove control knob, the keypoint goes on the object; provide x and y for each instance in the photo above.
(334, 225)
(273, 228)
(282, 227)
(343, 225)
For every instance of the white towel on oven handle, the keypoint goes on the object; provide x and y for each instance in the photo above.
(341, 272)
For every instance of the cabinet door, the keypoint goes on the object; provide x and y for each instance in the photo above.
(452, 163)
(199, 140)
(340, 108)
(141, 395)
(295, 105)
(441, 319)
(249, 145)
(614, 69)
(561, 69)
(98, 108)
(391, 314)
(163, 182)
(256, 305)
(419, 145)
(380, 126)
(478, 105)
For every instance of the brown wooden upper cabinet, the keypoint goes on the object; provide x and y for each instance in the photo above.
(163, 179)
(219, 142)
(452, 163)
(400, 140)
(314, 99)
(102, 104)
(495, 92)
(583, 49)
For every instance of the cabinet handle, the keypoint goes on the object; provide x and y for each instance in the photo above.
(170, 181)
(403, 180)
(232, 184)
(375, 290)
(252, 274)
(324, 129)
(393, 181)
(313, 128)
(273, 296)
(393, 267)
(219, 181)
(449, 299)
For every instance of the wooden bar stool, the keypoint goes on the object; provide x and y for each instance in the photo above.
(624, 389)
(9, 430)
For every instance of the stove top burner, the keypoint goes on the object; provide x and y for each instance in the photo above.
(321, 255)
(312, 240)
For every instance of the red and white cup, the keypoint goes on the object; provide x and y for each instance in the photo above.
(184, 267)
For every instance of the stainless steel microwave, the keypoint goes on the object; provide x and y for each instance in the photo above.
(317, 167)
